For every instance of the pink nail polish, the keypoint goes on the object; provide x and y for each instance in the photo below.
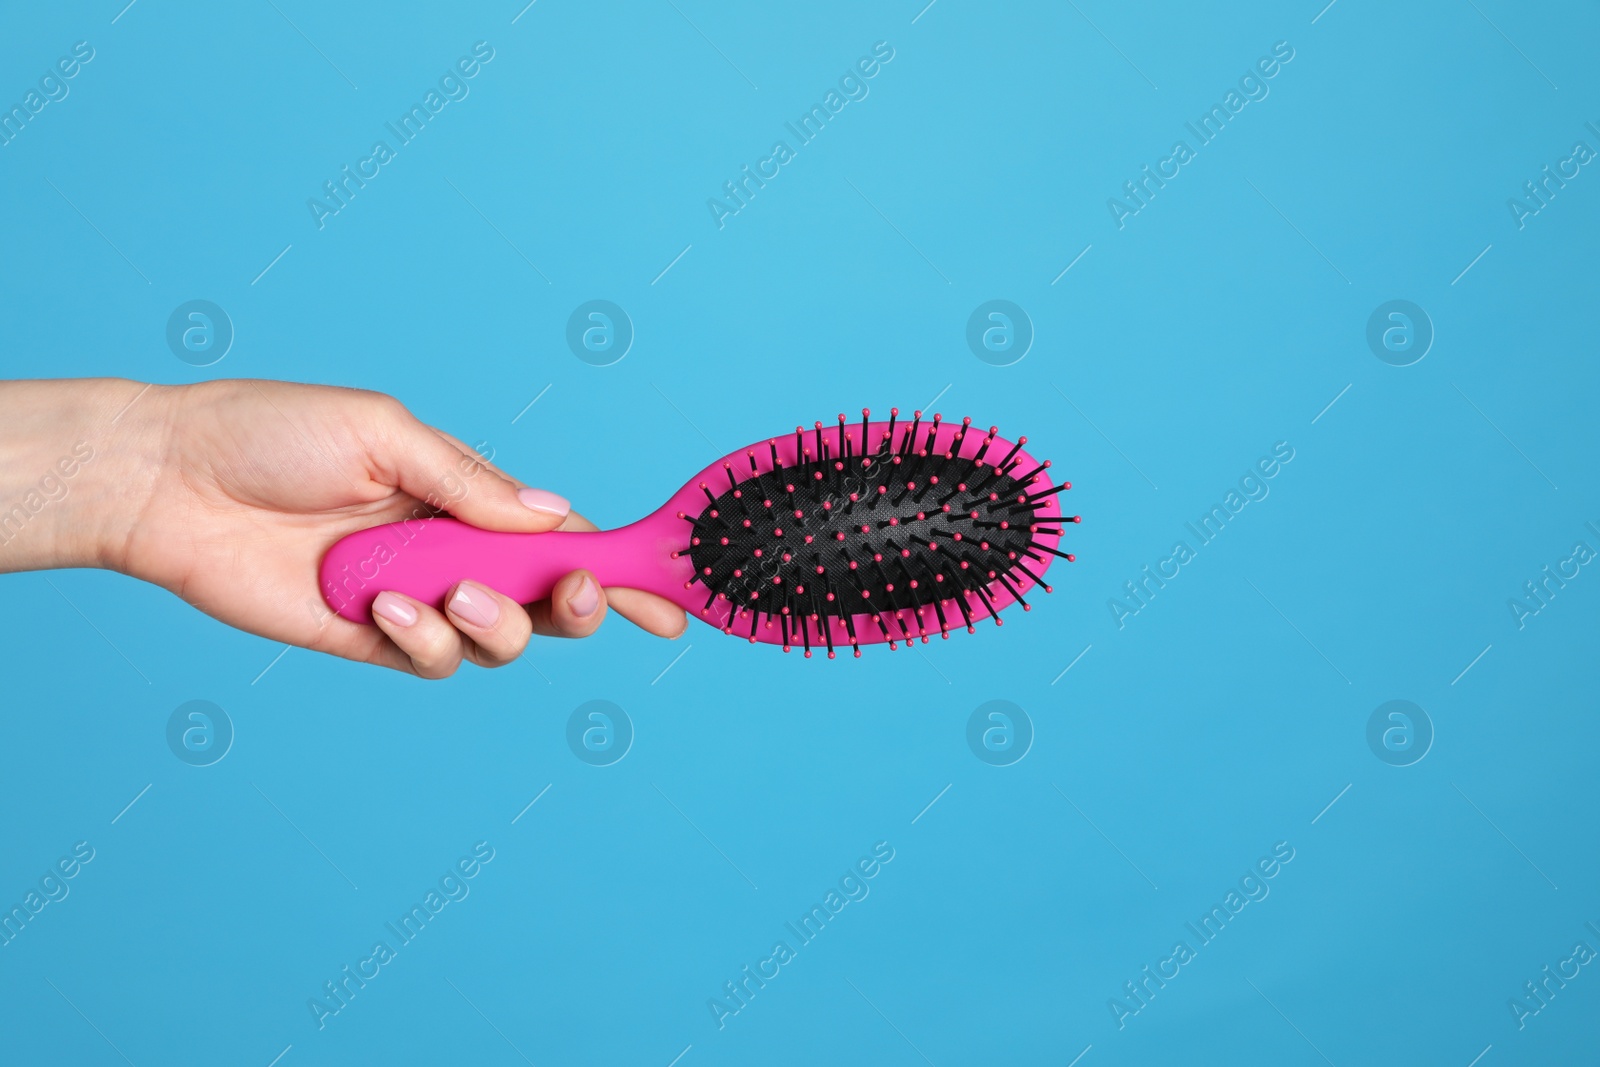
(392, 608)
(544, 500)
(475, 606)
(586, 600)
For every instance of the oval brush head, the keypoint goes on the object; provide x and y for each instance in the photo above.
(919, 525)
(839, 536)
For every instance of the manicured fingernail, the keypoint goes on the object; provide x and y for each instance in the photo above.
(475, 605)
(544, 500)
(395, 610)
(586, 600)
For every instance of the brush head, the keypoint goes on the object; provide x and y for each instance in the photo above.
(856, 534)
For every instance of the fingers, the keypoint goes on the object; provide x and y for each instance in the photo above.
(431, 645)
(435, 469)
(477, 624)
(649, 612)
(574, 608)
(491, 630)
(495, 626)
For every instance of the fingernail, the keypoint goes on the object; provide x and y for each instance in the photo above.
(584, 602)
(392, 608)
(544, 500)
(475, 605)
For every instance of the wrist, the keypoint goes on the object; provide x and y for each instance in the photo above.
(79, 460)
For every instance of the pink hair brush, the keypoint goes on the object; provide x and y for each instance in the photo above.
(844, 537)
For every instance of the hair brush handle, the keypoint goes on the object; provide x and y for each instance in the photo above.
(425, 559)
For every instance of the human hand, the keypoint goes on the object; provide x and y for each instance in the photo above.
(231, 492)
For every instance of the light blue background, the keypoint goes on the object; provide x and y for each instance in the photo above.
(1220, 720)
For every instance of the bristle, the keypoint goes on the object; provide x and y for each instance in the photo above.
(1047, 548)
(1027, 479)
(1012, 454)
(983, 597)
(1016, 594)
(983, 448)
(961, 603)
(1038, 581)
(1032, 498)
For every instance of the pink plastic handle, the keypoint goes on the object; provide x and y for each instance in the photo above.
(425, 558)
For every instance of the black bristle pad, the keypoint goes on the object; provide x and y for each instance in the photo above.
(894, 567)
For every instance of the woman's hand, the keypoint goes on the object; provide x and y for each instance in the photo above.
(228, 493)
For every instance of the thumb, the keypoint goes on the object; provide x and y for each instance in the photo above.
(433, 468)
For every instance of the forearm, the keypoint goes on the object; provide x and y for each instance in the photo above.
(76, 458)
